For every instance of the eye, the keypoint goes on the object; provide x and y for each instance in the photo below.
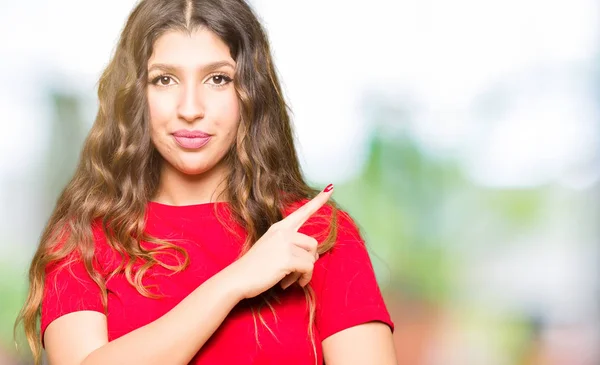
(220, 80)
(163, 80)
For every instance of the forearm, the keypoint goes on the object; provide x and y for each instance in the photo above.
(178, 335)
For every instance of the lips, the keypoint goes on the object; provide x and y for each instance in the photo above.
(191, 139)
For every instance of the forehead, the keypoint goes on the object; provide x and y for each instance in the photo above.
(189, 49)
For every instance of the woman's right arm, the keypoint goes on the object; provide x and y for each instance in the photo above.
(281, 255)
(80, 338)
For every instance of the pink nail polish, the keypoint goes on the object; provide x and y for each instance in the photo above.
(328, 188)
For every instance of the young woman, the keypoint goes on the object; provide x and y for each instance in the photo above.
(188, 234)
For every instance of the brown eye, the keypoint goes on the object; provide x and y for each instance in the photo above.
(220, 80)
(164, 80)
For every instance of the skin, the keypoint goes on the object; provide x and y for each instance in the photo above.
(186, 92)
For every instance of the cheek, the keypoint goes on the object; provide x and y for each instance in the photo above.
(160, 108)
(229, 111)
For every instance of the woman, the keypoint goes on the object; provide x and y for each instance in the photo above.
(188, 234)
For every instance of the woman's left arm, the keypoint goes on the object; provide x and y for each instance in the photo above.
(351, 316)
(368, 343)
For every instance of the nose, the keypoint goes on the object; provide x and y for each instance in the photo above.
(191, 105)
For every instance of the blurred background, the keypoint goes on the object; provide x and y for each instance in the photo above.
(462, 135)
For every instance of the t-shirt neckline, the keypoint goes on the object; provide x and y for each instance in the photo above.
(200, 208)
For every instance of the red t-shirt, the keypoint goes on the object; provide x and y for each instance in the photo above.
(347, 293)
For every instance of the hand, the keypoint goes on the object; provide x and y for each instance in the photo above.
(281, 253)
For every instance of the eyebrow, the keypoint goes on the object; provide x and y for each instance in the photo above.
(209, 67)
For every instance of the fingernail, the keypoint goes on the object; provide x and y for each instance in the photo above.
(328, 188)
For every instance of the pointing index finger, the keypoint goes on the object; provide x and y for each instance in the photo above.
(297, 218)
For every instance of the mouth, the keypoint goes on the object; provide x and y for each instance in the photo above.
(191, 139)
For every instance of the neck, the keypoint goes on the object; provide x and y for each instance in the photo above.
(177, 188)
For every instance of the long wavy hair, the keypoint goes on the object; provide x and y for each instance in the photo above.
(119, 168)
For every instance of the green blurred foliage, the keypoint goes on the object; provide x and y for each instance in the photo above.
(12, 292)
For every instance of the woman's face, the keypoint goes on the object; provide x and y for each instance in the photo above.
(194, 109)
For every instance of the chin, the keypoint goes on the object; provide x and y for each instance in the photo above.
(193, 164)
(193, 169)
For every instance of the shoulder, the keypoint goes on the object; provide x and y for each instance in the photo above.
(71, 249)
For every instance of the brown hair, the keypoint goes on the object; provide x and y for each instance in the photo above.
(118, 172)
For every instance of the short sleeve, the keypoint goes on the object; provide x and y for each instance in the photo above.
(347, 291)
(68, 288)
